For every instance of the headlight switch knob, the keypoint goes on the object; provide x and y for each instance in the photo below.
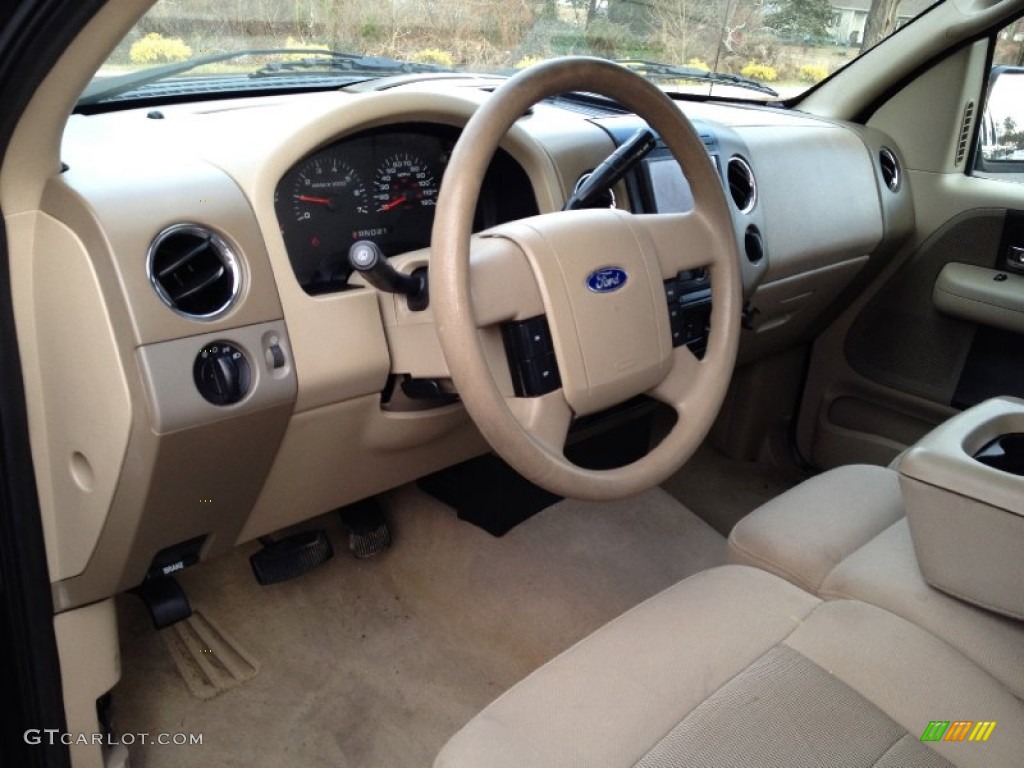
(221, 373)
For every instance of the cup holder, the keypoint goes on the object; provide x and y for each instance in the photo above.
(1005, 453)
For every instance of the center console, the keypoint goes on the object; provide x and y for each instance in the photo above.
(963, 486)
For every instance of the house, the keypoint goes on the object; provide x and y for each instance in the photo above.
(850, 16)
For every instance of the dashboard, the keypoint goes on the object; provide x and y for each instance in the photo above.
(158, 204)
(380, 185)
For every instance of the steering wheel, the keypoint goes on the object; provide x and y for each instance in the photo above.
(610, 345)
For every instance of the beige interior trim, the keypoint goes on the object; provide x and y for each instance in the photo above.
(941, 93)
(929, 36)
(967, 548)
(785, 308)
(198, 482)
(110, 201)
(824, 186)
(80, 408)
(344, 452)
(944, 457)
(90, 665)
(983, 296)
(967, 518)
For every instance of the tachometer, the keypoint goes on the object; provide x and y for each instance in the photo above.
(403, 182)
(326, 186)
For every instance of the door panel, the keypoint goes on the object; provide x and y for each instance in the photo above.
(896, 365)
(901, 340)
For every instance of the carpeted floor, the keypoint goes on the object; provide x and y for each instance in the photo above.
(721, 490)
(377, 663)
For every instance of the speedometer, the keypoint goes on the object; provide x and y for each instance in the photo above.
(403, 182)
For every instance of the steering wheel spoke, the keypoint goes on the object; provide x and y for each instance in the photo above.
(681, 240)
(502, 283)
(547, 418)
(673, 388)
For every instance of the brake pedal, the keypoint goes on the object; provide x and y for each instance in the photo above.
(368, 532)
(290, 557)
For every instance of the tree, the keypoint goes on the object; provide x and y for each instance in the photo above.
(800, 17)
(880, 23)
(710, 30)
(589, 6)
(1016, 35)
(635, 15)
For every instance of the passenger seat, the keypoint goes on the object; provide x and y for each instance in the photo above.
(843, 535)
(736, 667)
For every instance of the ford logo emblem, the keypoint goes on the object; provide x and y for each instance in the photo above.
(606, 280)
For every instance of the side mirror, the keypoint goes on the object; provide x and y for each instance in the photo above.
(1001, 136)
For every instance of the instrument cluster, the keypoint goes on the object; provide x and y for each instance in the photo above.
(380, 185)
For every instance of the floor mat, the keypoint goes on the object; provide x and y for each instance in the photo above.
(207, 658)
(378, 662)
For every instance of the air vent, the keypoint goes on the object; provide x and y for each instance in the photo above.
(965, 133)
(890, 167)
(194, 271)
(742, 187)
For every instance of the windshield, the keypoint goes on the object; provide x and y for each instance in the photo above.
(753, 49)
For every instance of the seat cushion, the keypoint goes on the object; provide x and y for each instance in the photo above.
(804, 533)
(842, 534)
(884, 572)
(735, 666)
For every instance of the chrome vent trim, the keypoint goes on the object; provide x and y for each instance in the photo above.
(965, 133)
(742, 186)
(194, 271)
(892, 172)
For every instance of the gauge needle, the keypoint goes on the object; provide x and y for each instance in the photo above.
(394, 203)
(309, 199)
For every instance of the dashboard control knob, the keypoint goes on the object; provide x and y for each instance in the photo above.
(221, 373)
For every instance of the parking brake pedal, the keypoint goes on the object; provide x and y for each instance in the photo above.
(290, 557)
(165, 600)
(368, 533)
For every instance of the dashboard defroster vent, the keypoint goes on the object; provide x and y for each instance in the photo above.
(890, 167)
(742, 187)
(194, 271)
(965, 133)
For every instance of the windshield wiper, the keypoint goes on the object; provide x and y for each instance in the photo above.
(654, 69)
(345, 62)
(104, 88)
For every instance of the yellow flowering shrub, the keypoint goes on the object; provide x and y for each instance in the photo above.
(154, 48)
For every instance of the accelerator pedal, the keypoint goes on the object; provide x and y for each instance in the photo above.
(290, 557)
(368, 532)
